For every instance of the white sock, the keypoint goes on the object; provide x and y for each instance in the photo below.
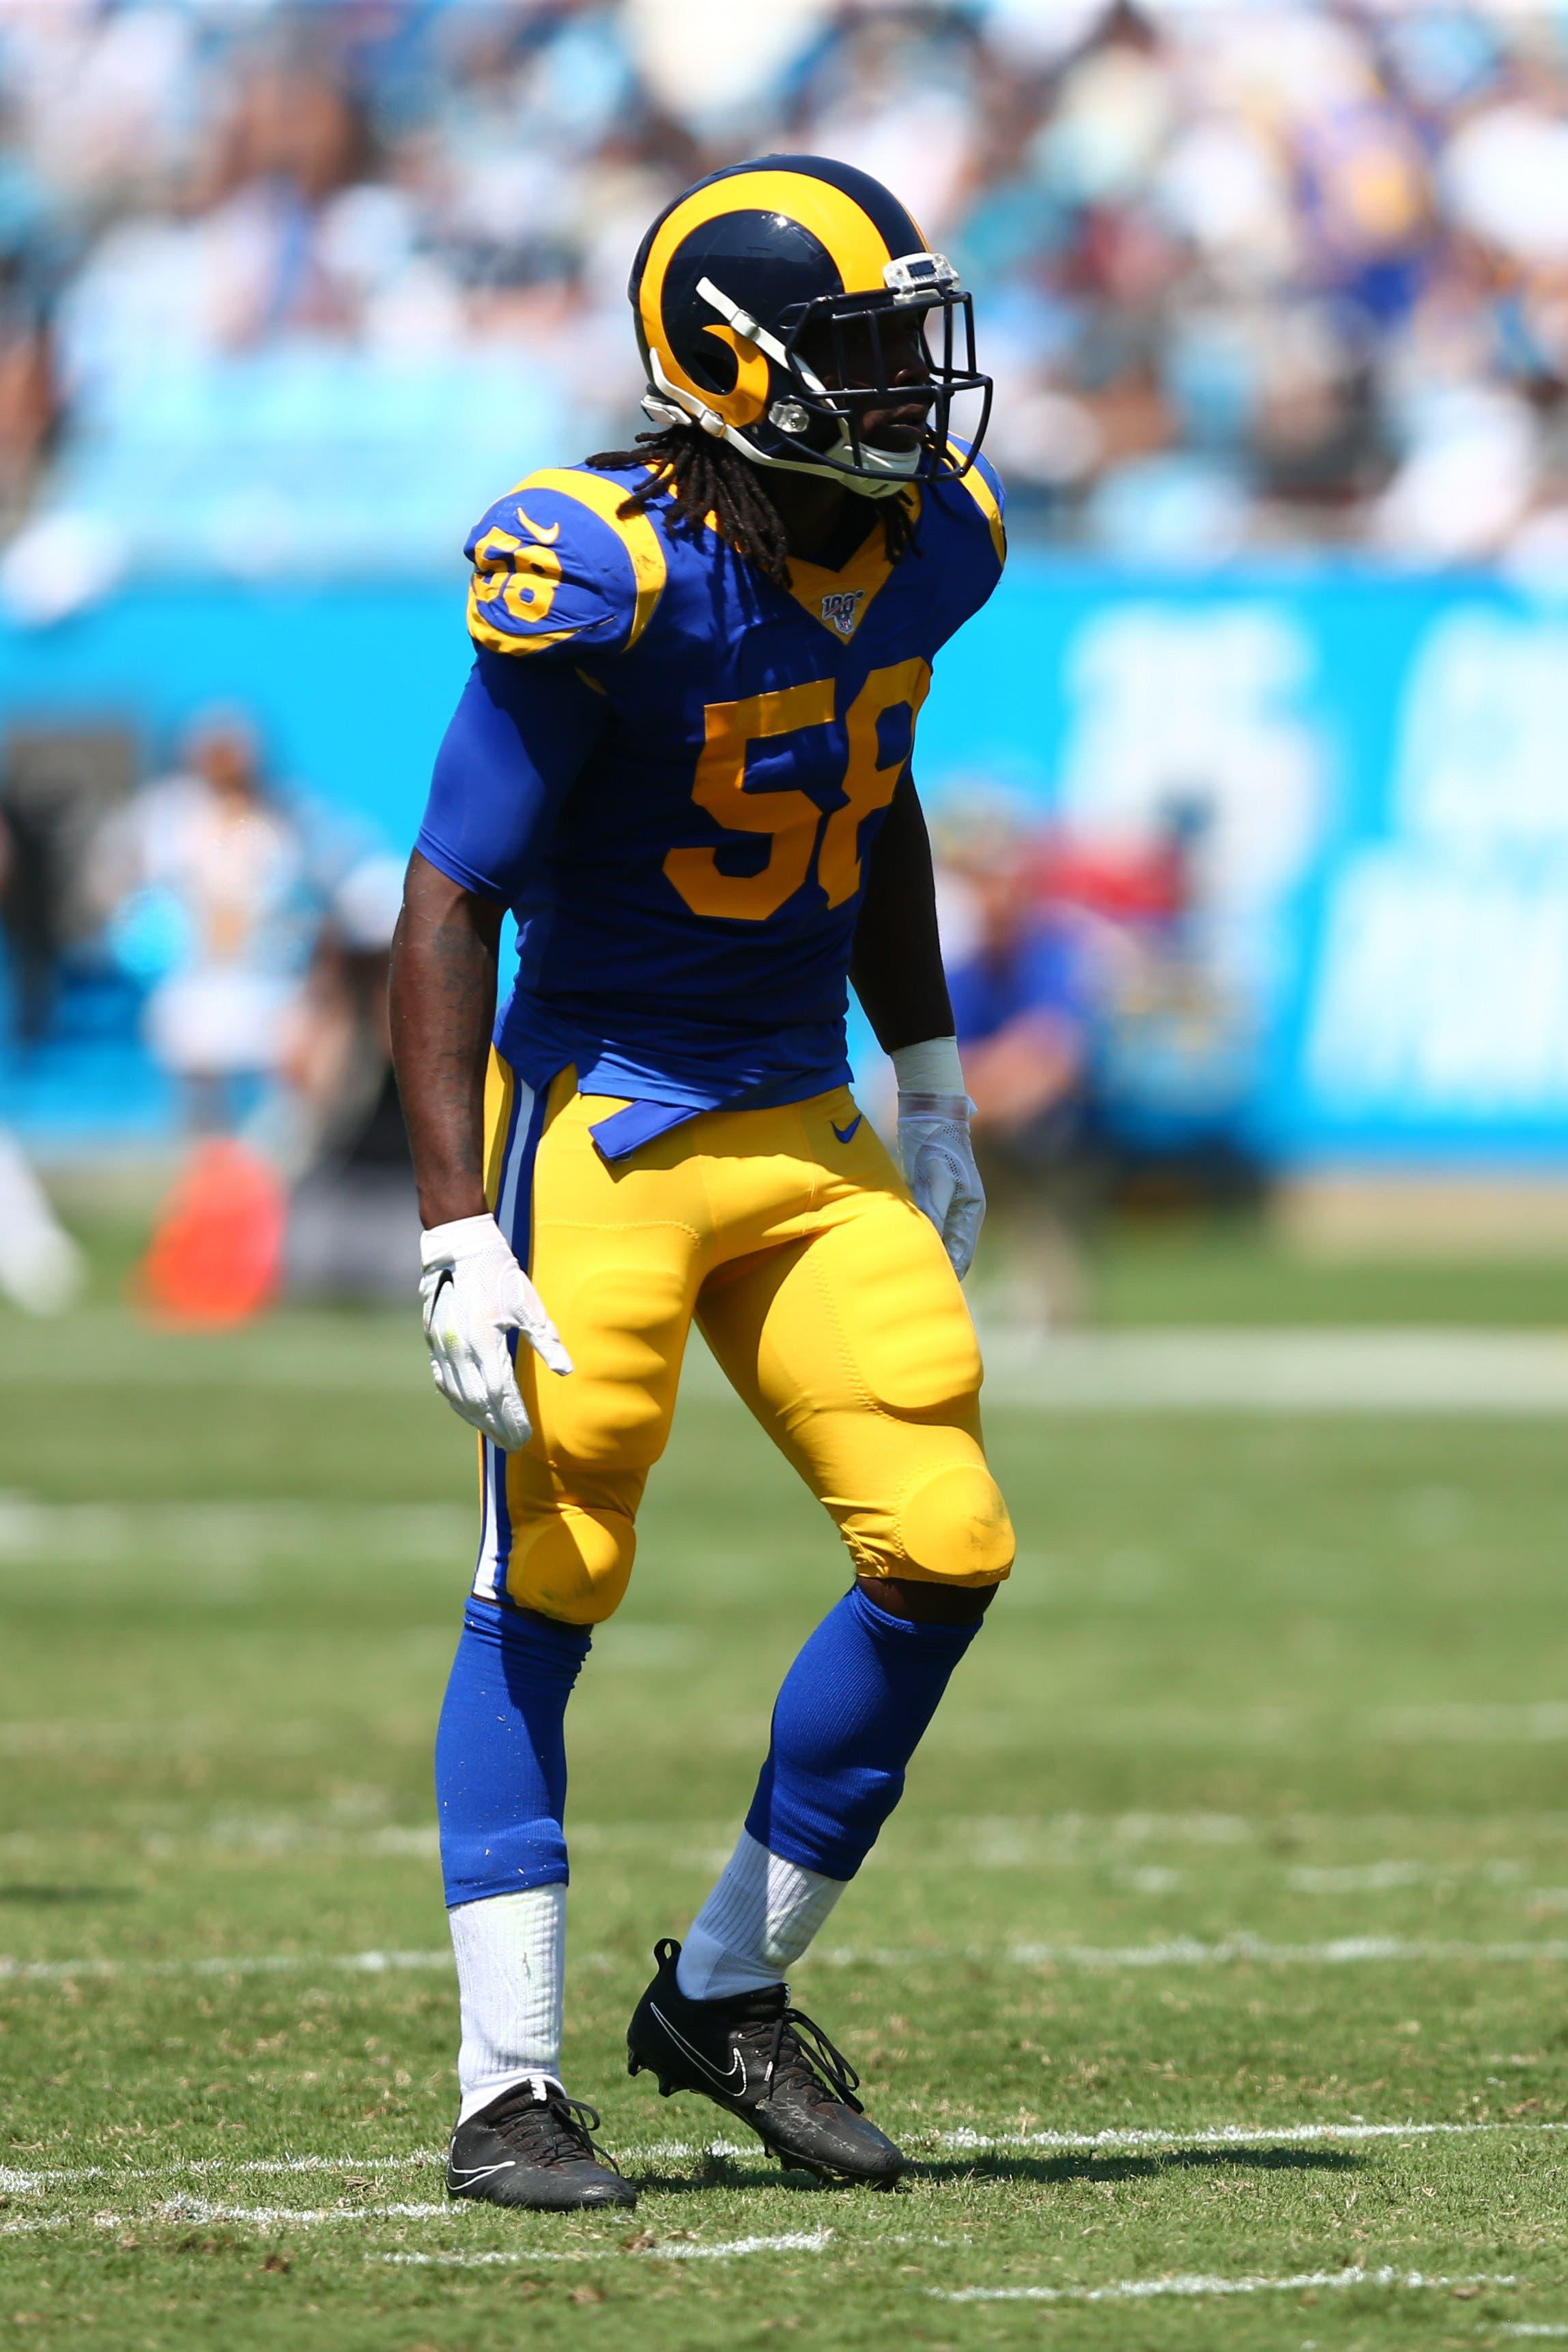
(511, 1968)
(759, 1918)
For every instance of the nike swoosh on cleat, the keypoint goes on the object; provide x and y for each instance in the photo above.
(456, 2180)
(844, 1133)
(735, 2078)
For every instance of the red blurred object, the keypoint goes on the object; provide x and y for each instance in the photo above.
(216, 1253)
(1147, 884)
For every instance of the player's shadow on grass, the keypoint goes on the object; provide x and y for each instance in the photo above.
(985, 2165)
(715, 2172)
(41, 1894)
(733, 2172)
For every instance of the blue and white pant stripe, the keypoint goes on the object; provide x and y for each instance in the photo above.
(514, 1215)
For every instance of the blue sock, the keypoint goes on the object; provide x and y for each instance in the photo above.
(853, 1711)
(500, 1752)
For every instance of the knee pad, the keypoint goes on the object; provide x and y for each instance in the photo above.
(573, 1564)
(953, 1526)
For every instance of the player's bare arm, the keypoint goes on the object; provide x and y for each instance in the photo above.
(443, 1007)
(472, 1289)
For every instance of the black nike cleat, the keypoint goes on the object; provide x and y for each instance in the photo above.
(766, 2063)
(531, 2147)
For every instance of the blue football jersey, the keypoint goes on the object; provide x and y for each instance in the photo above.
(674, 770)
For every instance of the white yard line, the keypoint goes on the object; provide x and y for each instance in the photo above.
(1143, 2290)
(264, 1964)
(1177, 1952)
(212, 1539)
(489, 2260)
(105, 1347)
(1235, 2135)
(1199, 1370)
(1187, 1952)
(303, 1829)
(167, 1735)
(15, 2183)
(1441, 1723)
(673, 2250)
(1460, 1722)
(1340, 1951)
(1062, 1843)
(33, 2184)
(201, 2210)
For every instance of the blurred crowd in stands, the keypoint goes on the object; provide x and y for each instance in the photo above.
(1249, 275)
(288, 289)
(243, 929)
(258, 926)
(1106, 1054)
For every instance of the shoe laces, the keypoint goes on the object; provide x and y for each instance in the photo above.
(549, 2130)
(801, 2054)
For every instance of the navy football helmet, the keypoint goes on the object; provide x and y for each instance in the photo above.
(784, 306)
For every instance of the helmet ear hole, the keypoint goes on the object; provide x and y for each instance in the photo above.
(713, 370)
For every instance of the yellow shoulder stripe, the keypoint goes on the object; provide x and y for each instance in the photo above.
(984, 497)
(506, 641)
(635, 533)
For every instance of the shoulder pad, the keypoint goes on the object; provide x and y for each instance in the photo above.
(558, 568)
(983, 484)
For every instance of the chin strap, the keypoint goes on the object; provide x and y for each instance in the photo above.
(671, 406)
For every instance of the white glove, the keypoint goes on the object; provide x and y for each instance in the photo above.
(938, 1160)
(472, 1292)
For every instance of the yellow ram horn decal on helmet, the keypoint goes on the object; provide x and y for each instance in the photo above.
(746, 403)
(858, 252)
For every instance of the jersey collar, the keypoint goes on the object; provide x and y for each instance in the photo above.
(839, 601)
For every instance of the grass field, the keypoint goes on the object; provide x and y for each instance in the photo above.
(1242, 1841)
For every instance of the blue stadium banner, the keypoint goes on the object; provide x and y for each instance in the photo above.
(1385, 759)
(1382, 759)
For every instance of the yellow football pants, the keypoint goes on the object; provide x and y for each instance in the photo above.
(823, 1292)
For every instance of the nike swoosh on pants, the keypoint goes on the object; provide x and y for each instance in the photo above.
(844, 1133)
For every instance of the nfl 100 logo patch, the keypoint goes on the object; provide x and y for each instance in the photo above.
(842, 610)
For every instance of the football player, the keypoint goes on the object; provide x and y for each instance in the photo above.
(683, 760)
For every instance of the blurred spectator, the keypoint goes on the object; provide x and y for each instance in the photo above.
(1104, 1052)
(29, 916)
(1174, 1037)
(1247, 274)
(59, 781)
(41, 1268)
(1021, 975)
(210, 897)
(353, 1217)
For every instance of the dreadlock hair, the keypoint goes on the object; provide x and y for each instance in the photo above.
(705, 475)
